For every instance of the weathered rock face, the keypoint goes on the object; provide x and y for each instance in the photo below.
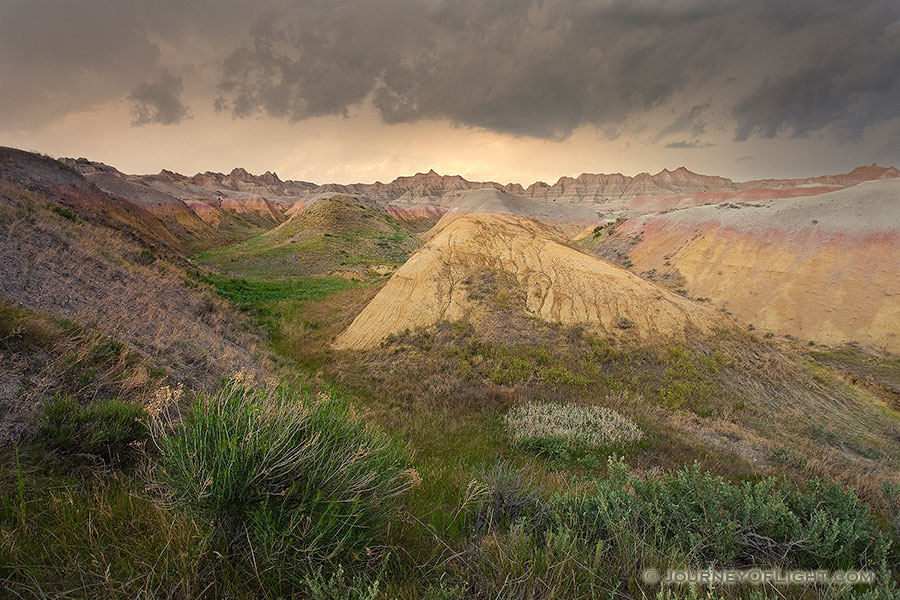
(822, 268)
(176, 214)
(858, 175)
(603, 188)
(555, 283)
(420, 200)
(240, 180)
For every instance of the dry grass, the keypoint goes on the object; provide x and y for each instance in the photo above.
(85, 272)
(736, 403)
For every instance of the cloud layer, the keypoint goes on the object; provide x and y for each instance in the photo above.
(680, 74)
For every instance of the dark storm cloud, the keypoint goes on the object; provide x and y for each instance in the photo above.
(751, 68)
(63, 57)
(58, 58)
(688, 121)
(158, 101)
(538, 69)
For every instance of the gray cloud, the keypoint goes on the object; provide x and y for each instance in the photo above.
(684, 144)
(62, 57)
(688, 121)
(158, 101)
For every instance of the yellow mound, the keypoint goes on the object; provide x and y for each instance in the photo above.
(558, 284)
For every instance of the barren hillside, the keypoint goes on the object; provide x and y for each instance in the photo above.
(822, 268)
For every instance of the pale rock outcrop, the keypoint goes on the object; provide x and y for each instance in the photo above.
(556, 282)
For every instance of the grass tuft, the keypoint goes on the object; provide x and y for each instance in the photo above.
(111, 430)
(291, 480)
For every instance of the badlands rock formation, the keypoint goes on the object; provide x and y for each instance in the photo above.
(419, 200)
(555, 282)
(823, 268)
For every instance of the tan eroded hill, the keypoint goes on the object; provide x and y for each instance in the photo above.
(822, 268)
(550, 281)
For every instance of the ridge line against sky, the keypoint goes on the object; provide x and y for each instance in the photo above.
(504, 90)
(523, 184)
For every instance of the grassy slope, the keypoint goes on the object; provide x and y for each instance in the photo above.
(443, 392)
(332, 235)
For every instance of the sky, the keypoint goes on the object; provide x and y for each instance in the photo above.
(501, 90)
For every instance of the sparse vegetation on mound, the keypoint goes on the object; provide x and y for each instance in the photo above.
(710, 399)
(331, 235)
(45, 359)
(109, 282)
(551, 281)
(604, 243)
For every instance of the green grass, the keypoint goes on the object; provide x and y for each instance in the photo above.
(596, 542)
(294, 479)
(256, 293)
(278, 304)
(84, 534)
(109, 430)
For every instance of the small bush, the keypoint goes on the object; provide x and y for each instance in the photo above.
(109, 430)
(338, 587)
(145, 257)
(65, 213)
(624, 323)
(511, 496)
(301, 480)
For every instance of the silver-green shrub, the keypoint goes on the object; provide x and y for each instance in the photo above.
(593, 426)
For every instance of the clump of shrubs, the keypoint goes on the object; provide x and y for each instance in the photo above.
(710, 521)
(578, 544)
(593, 426)
(296, 480)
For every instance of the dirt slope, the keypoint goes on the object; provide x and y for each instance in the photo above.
(822, 268)
(104, 279)
(550, 281)
(570, 219)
